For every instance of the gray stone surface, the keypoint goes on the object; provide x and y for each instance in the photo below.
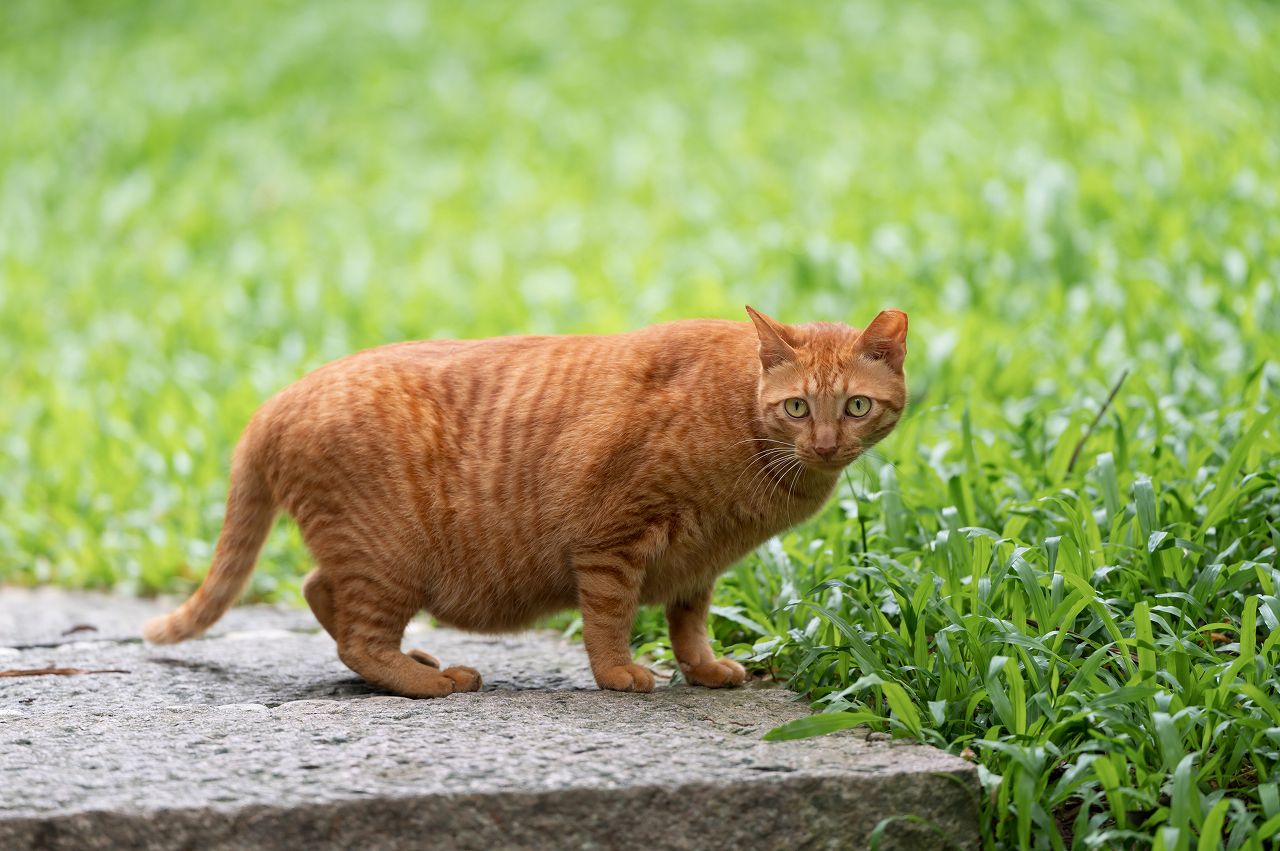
(52, 617)
(259, 737)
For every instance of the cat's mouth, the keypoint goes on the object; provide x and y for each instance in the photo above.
(833, 464)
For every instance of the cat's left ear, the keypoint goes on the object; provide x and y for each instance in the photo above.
(886, 339)
(777, 347)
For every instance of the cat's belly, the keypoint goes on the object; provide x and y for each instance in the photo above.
(498, 592)
(506, 573)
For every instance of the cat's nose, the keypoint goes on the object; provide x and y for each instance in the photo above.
(825, 450)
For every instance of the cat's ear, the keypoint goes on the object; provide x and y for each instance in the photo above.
(777, 346)
(886, 339)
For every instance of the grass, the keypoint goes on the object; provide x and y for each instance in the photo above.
(199, 202)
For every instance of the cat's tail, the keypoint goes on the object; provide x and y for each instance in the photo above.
(250, 511)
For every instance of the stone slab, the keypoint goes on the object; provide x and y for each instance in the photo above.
(259, 737)
(52, 617)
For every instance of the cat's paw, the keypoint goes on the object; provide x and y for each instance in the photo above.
(423, 657)
(630, 677)
(464, 678)
(716, 674)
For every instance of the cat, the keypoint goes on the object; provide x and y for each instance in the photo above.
(492, 482)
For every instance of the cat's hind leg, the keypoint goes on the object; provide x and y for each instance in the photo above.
(370, 628)
(319, 595)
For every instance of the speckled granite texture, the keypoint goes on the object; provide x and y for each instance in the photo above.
(257, 736)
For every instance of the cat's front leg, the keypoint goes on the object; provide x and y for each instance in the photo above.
(687, 627)
(608, 593)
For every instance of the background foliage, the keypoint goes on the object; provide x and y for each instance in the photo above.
(199, 202)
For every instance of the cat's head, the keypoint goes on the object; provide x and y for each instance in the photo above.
(830, 391)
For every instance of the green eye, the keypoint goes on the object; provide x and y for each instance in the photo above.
(857, 406)
(797, 408)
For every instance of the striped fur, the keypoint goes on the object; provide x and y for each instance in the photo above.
(491, 482)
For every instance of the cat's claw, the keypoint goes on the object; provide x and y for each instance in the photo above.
(715, 674)
(464, 678)
(630, 677)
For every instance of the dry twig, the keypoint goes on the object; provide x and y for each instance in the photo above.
(1075, 453)
(58, 672)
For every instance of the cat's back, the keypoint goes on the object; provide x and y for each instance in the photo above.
(503, 383)
(464, 374)
(679, 342)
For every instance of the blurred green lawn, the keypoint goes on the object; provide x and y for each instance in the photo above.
(201, 201)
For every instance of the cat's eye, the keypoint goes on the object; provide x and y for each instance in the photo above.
(857, 406)
(797, 408)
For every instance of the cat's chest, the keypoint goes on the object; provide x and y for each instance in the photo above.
(712, 537)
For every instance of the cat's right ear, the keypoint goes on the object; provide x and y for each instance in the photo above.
(776, 345)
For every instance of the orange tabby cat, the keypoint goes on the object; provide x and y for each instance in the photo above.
(491, 482)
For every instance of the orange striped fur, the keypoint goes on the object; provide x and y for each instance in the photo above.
(491, 482)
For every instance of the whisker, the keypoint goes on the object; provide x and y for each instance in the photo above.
(772, 470)
(783, 475)
(751, 467)
(794, 482)
(764, 487)
(864, 467)
(771, 452)
(761, 440)
(878, 457)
